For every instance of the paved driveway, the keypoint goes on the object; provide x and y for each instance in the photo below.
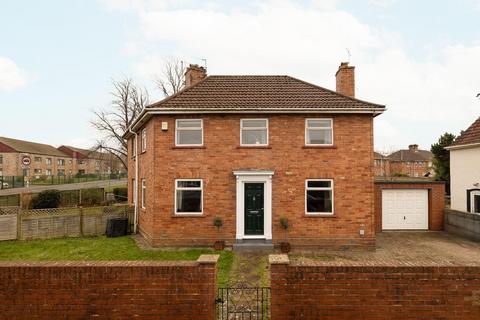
(402, 249)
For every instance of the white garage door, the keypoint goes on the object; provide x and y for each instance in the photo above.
(405, 209)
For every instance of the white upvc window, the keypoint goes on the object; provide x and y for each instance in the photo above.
(254, 132)
(144, 193)
(144, 140)
(189, 132)
(475, 202)
(188, 196)
(319, 196)
(318, 132)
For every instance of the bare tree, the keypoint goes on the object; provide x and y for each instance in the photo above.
(172, 77)
(128, 101)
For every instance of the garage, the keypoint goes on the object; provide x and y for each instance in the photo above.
(405, 209)
(409, 205)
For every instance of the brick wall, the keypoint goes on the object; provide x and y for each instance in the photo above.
(436, 200)
(375, 292)
(113, 290)
(349, 163)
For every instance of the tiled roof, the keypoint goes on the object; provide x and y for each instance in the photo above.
(259, 92)
(31, 147)
(469, 136)
(411, 155)
(89, 153)
(377, 155)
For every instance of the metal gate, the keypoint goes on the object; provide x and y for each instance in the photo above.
(243, 303)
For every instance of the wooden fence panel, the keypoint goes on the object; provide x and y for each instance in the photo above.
(8, 223)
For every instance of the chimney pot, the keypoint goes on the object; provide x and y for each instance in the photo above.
(194, 74)
(345, 79)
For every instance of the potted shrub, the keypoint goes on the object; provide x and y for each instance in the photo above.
(284, 245)
(218, 223)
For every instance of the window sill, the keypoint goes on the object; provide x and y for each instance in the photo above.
(189, 147)
(319, 147)
(188, 215)
(319, 215)
(254, 147)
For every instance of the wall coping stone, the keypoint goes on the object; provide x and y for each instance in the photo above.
(208, 258)
(278, 259)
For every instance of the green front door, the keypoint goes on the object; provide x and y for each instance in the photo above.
(253, 208)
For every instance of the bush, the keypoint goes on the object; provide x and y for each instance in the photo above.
(46, 199)
(91, 197)
(400, 174)
(121, 193)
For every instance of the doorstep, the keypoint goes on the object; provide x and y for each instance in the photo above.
(253, 245)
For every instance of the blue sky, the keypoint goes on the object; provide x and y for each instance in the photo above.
(421, 58)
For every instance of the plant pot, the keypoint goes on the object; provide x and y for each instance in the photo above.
(219, 245)
(285, 247)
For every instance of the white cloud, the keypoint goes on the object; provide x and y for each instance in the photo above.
(11, 75)
(308, 41)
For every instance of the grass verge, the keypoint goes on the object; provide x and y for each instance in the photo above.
(104, 249)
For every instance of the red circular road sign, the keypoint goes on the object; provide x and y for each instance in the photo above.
(26, 161)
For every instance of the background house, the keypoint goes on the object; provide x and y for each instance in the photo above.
(381, 165)
(87, 161)
(37, 160)
(411, 162)
(45, 160)
(465, 170)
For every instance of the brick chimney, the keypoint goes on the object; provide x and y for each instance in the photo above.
(194, 74)
(345, 77)
(413, 147)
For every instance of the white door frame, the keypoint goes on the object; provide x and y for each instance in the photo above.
(252, 176)
(473, 193)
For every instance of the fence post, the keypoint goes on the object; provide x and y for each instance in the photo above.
(19, 223)
(81, 221)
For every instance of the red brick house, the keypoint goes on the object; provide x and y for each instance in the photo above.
(411, 162)
(251, 150)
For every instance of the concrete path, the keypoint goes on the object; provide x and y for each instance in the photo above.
(70, 186)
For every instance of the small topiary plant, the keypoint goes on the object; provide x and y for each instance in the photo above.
(218, 223)
(284, 246)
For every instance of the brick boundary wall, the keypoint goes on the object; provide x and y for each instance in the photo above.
(436, 200)
(373, 292)
(113, 290)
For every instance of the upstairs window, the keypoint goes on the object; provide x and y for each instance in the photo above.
(188, 196)
(189, 132)
(318, 132)
(48, 161)
(144, 140)
(254, 132)
(61, 162)
(319, 196)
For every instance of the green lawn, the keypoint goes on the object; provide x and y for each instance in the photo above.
(102, 248)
